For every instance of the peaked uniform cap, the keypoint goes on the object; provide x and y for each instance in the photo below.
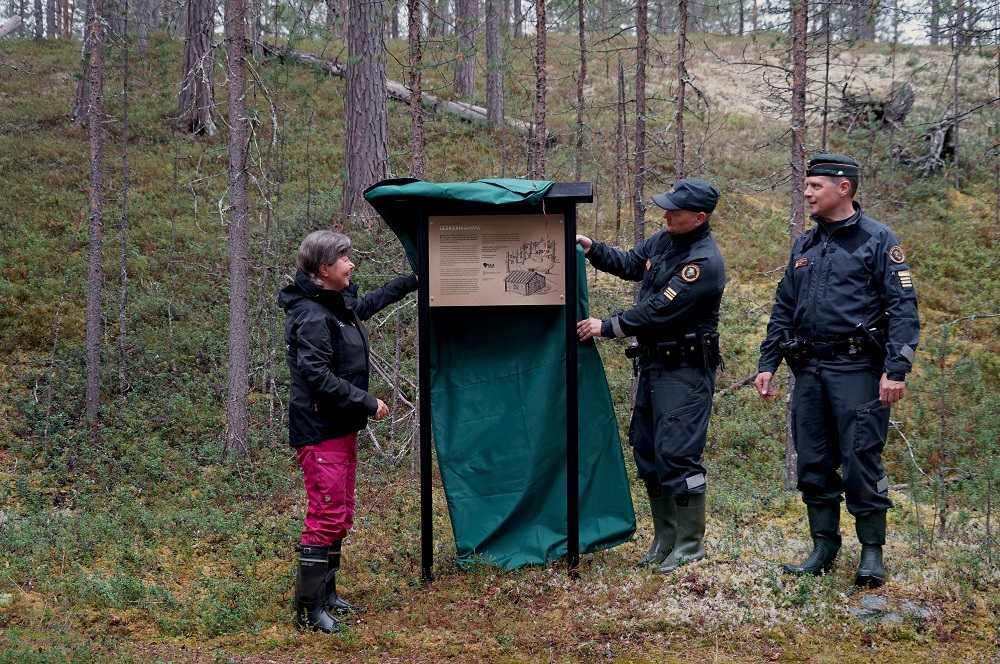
(689, 194)
(837, 165)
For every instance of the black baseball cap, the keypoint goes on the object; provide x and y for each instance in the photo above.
(689, 194)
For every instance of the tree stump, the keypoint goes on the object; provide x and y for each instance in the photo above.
(941, 145)
(888, 110)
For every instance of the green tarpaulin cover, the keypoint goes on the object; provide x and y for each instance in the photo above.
(498, 382)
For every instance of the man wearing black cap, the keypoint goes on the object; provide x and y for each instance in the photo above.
(845, 320)
(675, 322)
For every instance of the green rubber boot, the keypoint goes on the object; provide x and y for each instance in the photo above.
(871, 534)
(664, 512)
(690, 533)
(824, 526)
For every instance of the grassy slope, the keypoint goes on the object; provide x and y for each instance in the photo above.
(146, 548)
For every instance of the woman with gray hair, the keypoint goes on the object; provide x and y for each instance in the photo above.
(329, 403)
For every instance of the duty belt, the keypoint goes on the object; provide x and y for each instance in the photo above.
(799, 348)
(699, 349)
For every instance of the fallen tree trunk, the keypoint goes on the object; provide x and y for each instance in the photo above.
(398, 91)
(9, 26)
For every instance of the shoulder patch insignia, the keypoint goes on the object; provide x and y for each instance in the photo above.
(690, 272)
(802, 262)
(648, 264)
(896, 254)
(670, 294)
(905, 279)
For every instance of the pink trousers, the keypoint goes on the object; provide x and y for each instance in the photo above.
(329, 470)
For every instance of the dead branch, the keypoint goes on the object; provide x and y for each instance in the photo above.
(742, 382)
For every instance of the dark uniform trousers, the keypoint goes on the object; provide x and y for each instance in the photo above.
(670, 425)
(838, 420)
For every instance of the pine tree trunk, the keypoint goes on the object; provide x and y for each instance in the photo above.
(581, 81)
(639, 189)
(123, 231)
(50, 19)
(95, 226)
(416, 91)
(956, 49)
(682, 11)
(934, 32)
(465, 57)
(197, 97)
(800, 21)
(494, 66)
(538, 165)
(826, 75)
(620, 150)
(78, 111)
(366, 156)
(257, 29)
(237, 403)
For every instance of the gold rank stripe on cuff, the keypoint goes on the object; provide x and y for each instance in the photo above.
(905, 280)
(670, 294)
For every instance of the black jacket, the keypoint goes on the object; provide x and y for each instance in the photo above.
(683, 277)
(842, 277)
(326, 347)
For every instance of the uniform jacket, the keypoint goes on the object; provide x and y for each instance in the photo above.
(683, 277)
(326, 347)
(842, 277)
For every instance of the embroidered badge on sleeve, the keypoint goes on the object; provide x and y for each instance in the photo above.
(690, 272)
(896, 254)
(905, 280)
(670, 293)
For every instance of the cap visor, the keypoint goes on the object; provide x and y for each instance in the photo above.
(664, 202)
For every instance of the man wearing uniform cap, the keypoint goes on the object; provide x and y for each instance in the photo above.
(675, 322)
(845, 321)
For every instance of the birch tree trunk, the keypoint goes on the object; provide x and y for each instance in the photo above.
(237, 404)
(367, 153)
(197, 97)
(95, 225)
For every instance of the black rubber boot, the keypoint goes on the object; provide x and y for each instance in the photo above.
(310, 590)
(664, 512)
(871, 534)
(824, 526)
(333, 601)
(688, 546)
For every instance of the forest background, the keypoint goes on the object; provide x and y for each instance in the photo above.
(149, 504)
